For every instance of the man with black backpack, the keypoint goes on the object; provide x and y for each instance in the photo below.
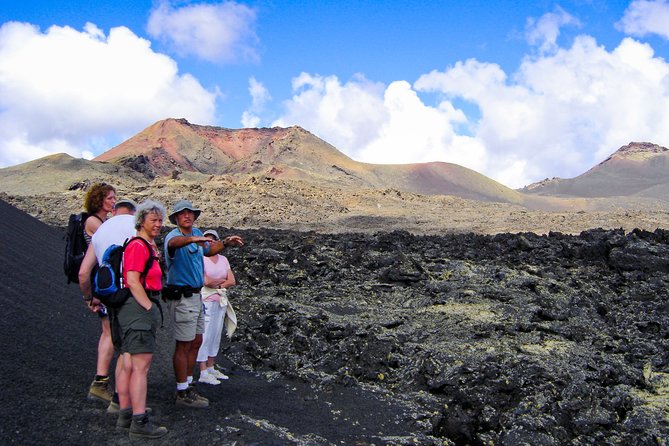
(115, 230)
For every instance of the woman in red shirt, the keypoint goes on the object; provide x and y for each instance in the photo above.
(139, 318)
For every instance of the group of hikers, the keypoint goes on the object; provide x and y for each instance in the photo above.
(194, 289)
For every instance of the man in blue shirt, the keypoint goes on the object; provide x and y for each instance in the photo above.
(185, 247)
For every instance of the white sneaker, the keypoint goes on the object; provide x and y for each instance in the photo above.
(209, 379)
(218, 375)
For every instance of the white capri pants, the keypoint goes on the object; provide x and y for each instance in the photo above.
(214, 314)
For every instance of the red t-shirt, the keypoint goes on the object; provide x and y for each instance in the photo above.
(134, 259)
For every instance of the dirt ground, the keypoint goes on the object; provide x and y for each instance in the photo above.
(48, 362)
(388, 339)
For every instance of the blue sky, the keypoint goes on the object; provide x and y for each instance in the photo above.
(518, 91)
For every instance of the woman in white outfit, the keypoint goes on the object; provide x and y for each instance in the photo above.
(218, 278)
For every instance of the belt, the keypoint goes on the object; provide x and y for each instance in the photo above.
(171, 292)
(150, 293)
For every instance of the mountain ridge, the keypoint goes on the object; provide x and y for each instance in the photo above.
(172, 146)
(638, 169)
(287, 178)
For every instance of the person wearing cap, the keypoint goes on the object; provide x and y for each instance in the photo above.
(185, 248)
(114, 231)
(218, 313)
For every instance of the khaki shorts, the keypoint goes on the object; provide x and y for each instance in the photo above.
(187, 316)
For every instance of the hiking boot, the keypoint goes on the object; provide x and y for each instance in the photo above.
(190, 398)
(192, 390)
(113, 407)
(209, 379)
(218, 375)
(142, 427)
(100, 390)
(124, 418)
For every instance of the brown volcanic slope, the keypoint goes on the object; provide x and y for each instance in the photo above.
(290, 179)
(174, 145)
(637, 169)
(61, 172)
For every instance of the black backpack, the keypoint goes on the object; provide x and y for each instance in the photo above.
(108, 284)
(75, 246)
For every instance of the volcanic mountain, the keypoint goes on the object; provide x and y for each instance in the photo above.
(173, 146)
(287, 178)
(638, 169)
(61, 172)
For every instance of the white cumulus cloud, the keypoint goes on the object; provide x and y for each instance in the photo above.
(374, 123)
(259, 97)
(544, 31)
(73, 91)
(346, 115)
(643, 17)
(220, 32)
(563, 113)
(558, 114)
(415, 132)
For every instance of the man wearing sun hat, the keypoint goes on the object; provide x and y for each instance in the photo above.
(185, 248)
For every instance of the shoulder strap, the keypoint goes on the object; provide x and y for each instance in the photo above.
(149, 262)
(83, 216)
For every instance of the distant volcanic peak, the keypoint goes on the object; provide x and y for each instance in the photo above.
(58, 156)
(177, 135)
(642, 147)
(177, 144)
(638, 151)
(211, 130)
(240, 143)
(546, 182)
(182, 121)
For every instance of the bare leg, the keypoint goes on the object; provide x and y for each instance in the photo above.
(105, 349)
(180, 360)
(192, 353)
(138, 381)
(123, 372)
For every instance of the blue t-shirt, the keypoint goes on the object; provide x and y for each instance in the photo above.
(185, 267)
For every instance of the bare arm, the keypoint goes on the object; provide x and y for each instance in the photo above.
(215, 247)
(180, 241)
(229, 281)
(85, 271)
(92, 224)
